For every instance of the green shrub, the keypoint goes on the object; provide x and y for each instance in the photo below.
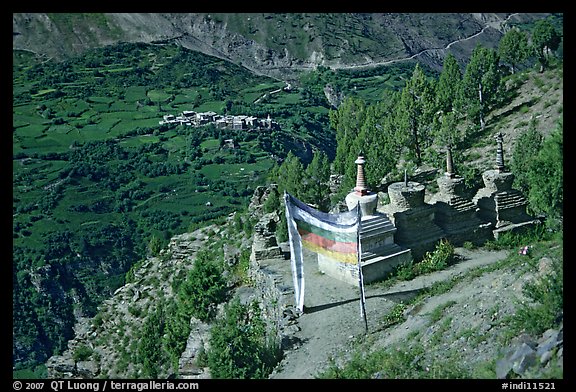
(547, 303)
(205, 287)
(82, 353)
(239, 345)
(468, 245)
(241, 269)
(396, 363)
(439, 259)
(511, 240)
(395, 315)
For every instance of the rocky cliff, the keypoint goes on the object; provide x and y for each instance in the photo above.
(107, 344)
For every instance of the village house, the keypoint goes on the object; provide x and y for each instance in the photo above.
(237, 122)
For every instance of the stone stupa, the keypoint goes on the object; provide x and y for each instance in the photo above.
(498, 203)
(413, 218)
(455, 213)
(380, 254)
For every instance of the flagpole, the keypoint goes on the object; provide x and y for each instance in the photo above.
(295, 257)
(360, 276)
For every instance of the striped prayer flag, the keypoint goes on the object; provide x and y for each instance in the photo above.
(338, 245)
(333, 235)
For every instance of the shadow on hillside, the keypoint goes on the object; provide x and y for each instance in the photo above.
(397, 296)
(290, 341)
(319, 308)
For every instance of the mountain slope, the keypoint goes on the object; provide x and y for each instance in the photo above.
(277, 45)
(466, 324)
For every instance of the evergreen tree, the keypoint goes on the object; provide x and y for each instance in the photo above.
(513, 47)
(317, 175)
(546, 177)
(239, 346)
(545, 38)
(177, 330)
(380, 146)
(150, 344)
(289, 176)
(205, 287)
(480, 84)
(414, 113)
(527, 147)
(445, 121)
(447, 133)
(448, 82)
(347, 121)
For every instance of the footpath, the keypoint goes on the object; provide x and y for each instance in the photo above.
(332, 321)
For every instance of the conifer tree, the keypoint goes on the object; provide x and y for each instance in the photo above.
(289, 176)
(445, 121)
(480, 84)
(414, 113)
(379, 144)
(546, 176)
(347, 121)
(448, 83)
(513, 48)
(545, 38)
(526, 149)
(317, 175)
(150, 351)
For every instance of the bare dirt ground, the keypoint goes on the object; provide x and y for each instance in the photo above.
(332, 322)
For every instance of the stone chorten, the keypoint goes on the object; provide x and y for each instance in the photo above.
(379, 252)
(498, 203)
(455, 214)
(361, 194)
(413, 218)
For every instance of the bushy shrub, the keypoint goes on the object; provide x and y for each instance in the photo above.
(239, 345)
(439, 259)
(205, 287)
(82, 353)
(547, 302)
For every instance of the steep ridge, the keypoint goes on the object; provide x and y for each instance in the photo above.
(277, 45)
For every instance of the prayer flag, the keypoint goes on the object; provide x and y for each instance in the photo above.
(333, 235)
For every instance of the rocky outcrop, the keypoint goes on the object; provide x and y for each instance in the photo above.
(189, 366)
(333, 96)
(261, 194)
(526, 353)
(265, 245)
(120, 317)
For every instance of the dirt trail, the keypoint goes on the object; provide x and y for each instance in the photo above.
(332, 320)
(494, 24)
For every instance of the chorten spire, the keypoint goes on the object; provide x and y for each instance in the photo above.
(360, 187)
(499, 153)
(449, 163)
(360, 194)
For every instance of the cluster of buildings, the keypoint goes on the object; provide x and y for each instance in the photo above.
(237, 122)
